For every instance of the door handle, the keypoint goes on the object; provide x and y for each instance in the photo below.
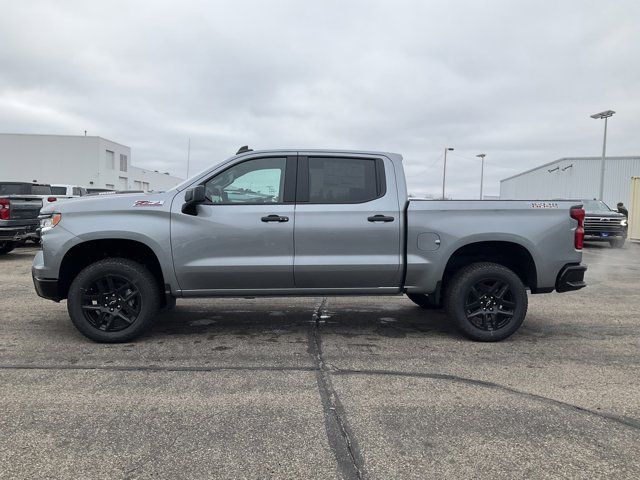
(275, 218)
(380, 218)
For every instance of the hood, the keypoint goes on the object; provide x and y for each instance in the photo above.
(115, 201)
(595, 213)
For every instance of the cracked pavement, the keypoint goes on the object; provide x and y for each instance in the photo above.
(354, 387)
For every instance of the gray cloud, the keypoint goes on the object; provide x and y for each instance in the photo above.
(515, 80)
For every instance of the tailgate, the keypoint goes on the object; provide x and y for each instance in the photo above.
(24, 208)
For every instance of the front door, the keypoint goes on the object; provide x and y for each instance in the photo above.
(347, 223)
(242, 236)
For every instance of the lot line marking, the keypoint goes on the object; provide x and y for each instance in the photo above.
(341, 439)
(157, 368)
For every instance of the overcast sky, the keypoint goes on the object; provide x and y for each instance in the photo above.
(513, 79)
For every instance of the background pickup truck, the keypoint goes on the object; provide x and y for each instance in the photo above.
(282, 223)
(601, 224)
(19, 210)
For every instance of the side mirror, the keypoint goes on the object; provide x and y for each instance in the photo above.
(192, 197)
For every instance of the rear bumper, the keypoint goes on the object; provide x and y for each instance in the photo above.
(13, 234)
(571, 277)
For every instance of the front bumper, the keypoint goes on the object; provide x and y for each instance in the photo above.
(47, 288)
(571, 277)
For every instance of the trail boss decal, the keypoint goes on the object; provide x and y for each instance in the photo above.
(148, 203)
(544, 205)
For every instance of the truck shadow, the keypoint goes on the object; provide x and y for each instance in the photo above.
(348, 322)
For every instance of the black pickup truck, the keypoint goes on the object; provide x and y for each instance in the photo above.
(20, 205)
(603, 224)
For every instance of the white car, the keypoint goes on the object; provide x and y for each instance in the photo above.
(64, 192)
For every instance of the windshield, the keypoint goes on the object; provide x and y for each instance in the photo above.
(596, 206)
(189, 180)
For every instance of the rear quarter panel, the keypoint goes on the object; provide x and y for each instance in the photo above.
(547, 233)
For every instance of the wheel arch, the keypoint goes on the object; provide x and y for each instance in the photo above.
(509, 254)
(85, 253)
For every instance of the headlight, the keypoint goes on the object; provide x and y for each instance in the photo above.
(623, 222)
(47, 223)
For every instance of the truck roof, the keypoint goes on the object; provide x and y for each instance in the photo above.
(320, 150)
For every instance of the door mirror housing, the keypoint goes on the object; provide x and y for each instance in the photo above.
(193, 197)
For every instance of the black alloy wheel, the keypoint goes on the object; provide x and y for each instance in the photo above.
(490, 304)
(487, 301)
(114, 300)
(111, 303)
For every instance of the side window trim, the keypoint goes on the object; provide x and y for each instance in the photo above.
(302, 189)
(290, 177)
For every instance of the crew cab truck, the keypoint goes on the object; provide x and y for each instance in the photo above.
(313, 222)
(20, 205)
(601, 224)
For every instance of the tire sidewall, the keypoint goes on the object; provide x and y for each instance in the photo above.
(138, 275)
(460, 290)
(6, 246)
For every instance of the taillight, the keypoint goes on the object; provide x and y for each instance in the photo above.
(5, 209)
(577, 213)
(51, 199)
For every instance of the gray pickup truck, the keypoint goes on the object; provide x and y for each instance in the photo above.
(313, 222)
(20, 205)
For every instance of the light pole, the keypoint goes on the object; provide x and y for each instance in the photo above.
(606, 114)
(481, 157)
(444, 170)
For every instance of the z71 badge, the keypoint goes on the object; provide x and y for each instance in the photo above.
(148, 203)
(544, 205)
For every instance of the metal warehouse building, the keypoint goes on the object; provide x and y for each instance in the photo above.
(575, 178)
(91, 162)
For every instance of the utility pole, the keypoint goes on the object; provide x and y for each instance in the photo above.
(606, 114)
(444, 170)
(481, 156)
(188, 156)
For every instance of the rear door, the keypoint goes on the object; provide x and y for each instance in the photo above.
(347, 225)
(242, 237)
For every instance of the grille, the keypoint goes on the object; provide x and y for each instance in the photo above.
(601, 224)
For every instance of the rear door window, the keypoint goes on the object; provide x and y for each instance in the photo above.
(344, 180)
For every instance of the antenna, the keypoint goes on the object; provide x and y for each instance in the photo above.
(244, 149)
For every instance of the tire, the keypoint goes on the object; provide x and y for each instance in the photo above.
(116, 285)
(423, 300)
(617, 242)
(6, 247)
(478, 288)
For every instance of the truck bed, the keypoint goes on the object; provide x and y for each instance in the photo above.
(436, 229)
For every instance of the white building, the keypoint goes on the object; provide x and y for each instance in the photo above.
(574, 178)
(91, 162)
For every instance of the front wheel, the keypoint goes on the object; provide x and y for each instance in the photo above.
(487, 301)
(617, 242)
(113, 300)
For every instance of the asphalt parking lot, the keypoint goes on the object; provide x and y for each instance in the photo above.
(325, 388)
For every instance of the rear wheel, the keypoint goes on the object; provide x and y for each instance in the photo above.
(617, 242)
(423, 300)
(113, 300)
(487, 301)
(6, 247)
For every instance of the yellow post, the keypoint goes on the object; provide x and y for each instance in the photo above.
(634, 210)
